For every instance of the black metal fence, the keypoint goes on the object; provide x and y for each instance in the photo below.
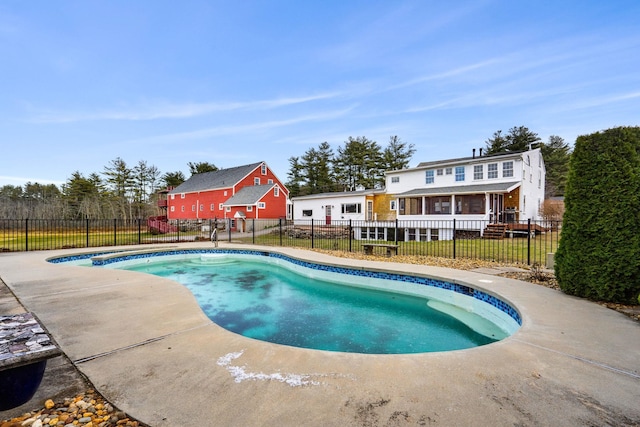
(525, 242)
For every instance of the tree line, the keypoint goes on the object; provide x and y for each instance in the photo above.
(128, 192)
(358, 164)
(556, 154)
(361, 163)
(120, 191)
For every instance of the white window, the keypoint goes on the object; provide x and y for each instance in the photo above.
(395, 179)
(478, 172)
(212, 207)
(439, 172)
(182, 208)
(263, 169)
(249, 208)
(448, 171)
(261, 205)
(220, 206)
(201, 208)
(256, 181)
(182, 195)
(428, 177)
(392, 205)
(459, 173)
(173, 208)
(228, 208)
(173, 197)
(507, 169)
(276, 191)
(193, 208)
(307, 212)
(539, 179)
(225, 193)
(269, 181)
(492, 170)
(352, 208)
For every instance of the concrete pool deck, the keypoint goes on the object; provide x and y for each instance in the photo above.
(146, 346)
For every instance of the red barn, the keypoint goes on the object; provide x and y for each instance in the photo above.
(242, 192)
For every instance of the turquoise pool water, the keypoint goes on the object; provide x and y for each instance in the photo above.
(259, 299)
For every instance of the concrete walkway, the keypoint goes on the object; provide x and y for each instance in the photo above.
(147, 347)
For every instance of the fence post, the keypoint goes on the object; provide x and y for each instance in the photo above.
(139, 231)
(87, 231)
(350, 236)
(454, 238)
(396, 237)
(229, 228)
(115, 231)
(26, 235)
(280, 228)
(312, 240)
(529, 241)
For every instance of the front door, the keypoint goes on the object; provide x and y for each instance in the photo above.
(369, 210)
(327, 214)
(497, 207)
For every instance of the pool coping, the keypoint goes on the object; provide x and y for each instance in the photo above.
(568, 357)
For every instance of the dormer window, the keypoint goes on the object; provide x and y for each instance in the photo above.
(256, 181)
(263, 169)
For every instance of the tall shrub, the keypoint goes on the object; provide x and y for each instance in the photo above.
(598, 255)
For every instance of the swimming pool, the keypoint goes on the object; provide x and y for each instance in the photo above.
(280, 299)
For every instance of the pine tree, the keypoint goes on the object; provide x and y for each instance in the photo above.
(599, 252)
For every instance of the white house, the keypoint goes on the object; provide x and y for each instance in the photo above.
(336, 207)
(420, 204)
(500, 188)
(370, 213)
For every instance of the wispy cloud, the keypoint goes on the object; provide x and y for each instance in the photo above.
(163, 110)
(243, 128)
(446, 74)
(601, 101)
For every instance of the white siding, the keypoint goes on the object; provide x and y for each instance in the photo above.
(318, 207)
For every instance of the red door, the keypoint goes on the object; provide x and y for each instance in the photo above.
(327, 214)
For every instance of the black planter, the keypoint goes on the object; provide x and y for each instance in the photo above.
(18, 385)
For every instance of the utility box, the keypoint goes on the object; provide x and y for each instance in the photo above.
(550, 261)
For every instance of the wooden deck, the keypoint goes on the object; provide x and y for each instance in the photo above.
(501, 230)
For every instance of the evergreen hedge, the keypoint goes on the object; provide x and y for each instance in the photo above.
(598, 255)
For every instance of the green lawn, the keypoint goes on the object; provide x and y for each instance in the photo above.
(511, 251)
(516, 250)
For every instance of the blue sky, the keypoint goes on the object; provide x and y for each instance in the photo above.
(236, 82)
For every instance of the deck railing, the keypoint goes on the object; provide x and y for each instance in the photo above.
(526, 242)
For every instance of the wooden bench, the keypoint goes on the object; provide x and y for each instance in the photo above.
(391, 249)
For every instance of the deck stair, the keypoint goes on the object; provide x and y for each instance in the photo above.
(495, 231)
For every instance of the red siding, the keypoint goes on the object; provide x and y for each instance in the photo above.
(275, 207)
(264, 179)
(204, 198)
